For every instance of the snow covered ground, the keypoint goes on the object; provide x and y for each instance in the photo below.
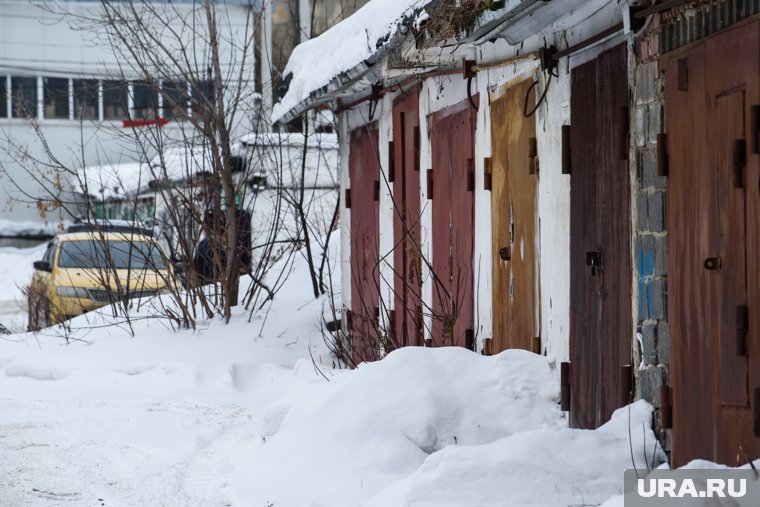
(253, 413)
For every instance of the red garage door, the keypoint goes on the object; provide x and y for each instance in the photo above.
(450, 187)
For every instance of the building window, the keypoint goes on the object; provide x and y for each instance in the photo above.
(202, 97)
(145, 101)
(175, 101)
(24, 97)
(3, 97)
(56, 93)
(115, 100)
(86, 99)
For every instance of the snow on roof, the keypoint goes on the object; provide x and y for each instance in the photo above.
(316, 62)
(109, 181)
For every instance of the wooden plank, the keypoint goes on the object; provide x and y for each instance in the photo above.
(514, 222)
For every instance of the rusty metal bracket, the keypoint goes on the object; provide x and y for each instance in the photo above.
(468, 72)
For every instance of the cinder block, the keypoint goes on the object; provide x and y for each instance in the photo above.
(656, 211)
(658, 299)
(645, 85)
(642, 211)
(663, 342)
(650, 379)
(649, 345)
(660, 256)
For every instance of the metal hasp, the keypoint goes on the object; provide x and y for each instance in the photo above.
(593, 261)
(564, 383)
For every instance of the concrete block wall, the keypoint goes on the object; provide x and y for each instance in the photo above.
(650, 227)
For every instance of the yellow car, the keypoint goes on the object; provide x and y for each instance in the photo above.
(82, 271)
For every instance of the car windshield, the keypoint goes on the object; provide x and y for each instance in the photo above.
(115, 254)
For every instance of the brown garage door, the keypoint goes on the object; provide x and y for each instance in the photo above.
(713, 225)
(600, 229)
(364, 173)
(406, 221)
(514, 219)
(451, 192)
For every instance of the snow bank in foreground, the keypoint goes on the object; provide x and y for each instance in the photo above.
(436, 427)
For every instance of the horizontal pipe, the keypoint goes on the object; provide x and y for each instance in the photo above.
(585, 43)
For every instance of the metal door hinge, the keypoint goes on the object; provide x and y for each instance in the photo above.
(662, 155)
(348, 198)
(391, 162)
(487, 346)
(532, 155)
(429, 183)
(535, 345)
(469, 339)
(470, 175)
(683, 74)
(626, 384)
(666, 408)
(754, 129)
(742, 329)
(487, 178)
(566, 160)
(564, 384)
(376, 190)
(739, 160)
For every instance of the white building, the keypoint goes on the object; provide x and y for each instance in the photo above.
(71, 97)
